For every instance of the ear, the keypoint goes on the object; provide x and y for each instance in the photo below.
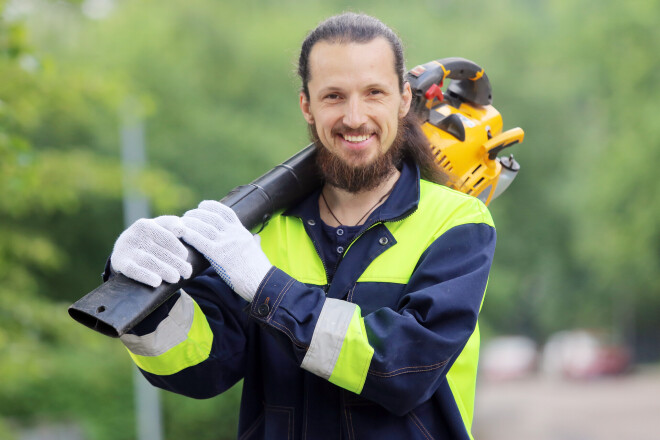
(406, 100)
(304, 107)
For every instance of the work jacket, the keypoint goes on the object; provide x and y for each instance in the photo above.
(386, 349)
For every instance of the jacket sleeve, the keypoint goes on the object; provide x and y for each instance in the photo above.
(195, 343)
(396, 357)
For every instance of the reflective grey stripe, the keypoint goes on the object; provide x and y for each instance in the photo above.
(328, 337)
(171, 331)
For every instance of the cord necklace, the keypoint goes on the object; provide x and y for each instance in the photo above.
(365, 214)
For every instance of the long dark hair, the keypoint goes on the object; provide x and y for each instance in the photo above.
(416, 148)
(360, 28)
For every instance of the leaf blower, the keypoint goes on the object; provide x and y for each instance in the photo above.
(464, 129)
(465, 134)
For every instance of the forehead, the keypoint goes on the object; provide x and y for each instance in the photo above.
(340, 64)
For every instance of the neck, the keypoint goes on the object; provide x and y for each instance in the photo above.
(353, 209)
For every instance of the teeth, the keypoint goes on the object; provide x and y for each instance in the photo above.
(356, 139)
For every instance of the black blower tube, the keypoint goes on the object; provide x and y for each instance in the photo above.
(119, 304)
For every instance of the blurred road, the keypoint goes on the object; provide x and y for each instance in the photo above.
(536, 408)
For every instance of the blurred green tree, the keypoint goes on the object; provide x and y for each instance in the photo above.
(578, 240)
(50, 176)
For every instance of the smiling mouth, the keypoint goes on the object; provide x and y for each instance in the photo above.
(355, 139)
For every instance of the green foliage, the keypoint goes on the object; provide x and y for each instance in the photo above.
(53, 172)
(578, 236)
(585, 242)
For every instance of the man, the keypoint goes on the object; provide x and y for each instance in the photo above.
(358, 319)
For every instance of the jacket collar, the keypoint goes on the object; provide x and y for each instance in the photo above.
(402, 202)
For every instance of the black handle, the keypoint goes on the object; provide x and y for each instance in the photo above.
(469, 82)
(118, 305)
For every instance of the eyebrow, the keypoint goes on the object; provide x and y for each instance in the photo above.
(376, 86)
(339, 89)
(325, 90)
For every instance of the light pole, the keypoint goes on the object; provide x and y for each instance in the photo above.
(136, 205)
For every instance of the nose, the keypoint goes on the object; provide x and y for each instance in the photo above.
(354, 114)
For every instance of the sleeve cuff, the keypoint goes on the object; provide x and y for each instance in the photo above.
(269, 294)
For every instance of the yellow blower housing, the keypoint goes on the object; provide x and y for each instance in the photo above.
(464, 129)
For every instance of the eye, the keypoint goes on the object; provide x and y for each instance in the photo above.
(376, 92)
(331, 97)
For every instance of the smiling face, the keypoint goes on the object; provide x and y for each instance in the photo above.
(355, 103)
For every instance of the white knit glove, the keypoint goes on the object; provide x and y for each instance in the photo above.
(215, 231)
(150, 251)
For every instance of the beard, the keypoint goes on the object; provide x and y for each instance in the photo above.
(342, 174)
